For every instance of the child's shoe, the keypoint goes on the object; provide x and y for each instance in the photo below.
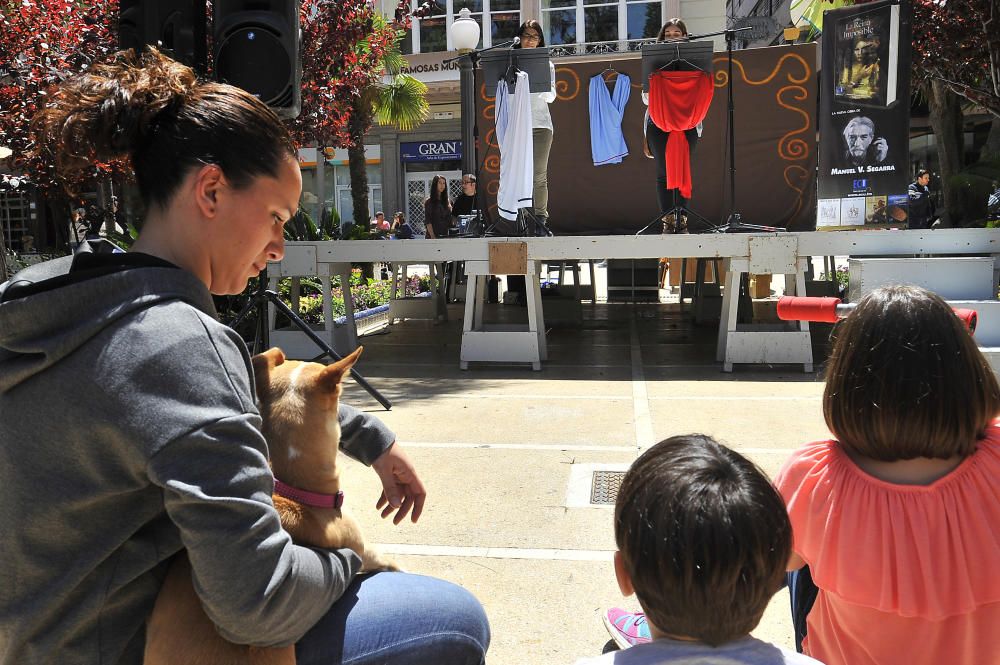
(627, 628)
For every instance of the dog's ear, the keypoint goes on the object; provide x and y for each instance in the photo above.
(262, 364)
(333, 375)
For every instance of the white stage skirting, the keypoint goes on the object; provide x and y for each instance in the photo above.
(756, 253)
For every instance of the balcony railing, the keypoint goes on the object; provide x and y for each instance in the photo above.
(599, 48)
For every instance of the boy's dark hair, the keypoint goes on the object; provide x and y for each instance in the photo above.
(905, 379)
(704, 536)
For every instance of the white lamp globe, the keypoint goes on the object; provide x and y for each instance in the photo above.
(465, 31)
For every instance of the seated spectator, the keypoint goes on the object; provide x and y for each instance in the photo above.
(703, 539)
(402, 229)
(897, 516)
(380, 223)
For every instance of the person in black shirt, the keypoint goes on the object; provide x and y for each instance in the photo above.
(465, 202)
(437, 209)
(921, 204)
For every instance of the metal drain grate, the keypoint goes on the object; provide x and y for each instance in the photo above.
(605, 487)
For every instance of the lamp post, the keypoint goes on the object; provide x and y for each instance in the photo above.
(465, 36)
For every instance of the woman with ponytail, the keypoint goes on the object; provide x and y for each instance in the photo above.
(128, 430)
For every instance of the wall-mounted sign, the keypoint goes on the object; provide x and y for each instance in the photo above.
(430, 151)
(431, 68)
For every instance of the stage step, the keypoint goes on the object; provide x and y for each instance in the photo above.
(966, 278)
(965, 282)
(987, 329)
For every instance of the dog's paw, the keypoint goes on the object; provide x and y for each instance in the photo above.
(373, 561)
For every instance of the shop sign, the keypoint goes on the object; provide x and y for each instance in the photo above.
(430, 151)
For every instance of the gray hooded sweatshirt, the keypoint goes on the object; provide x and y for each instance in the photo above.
(128, 430)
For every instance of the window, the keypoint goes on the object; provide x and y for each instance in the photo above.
(344, 202)
(498, 21)
(586, 21)
(15, 216)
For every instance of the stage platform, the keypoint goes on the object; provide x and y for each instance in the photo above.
(756, 253)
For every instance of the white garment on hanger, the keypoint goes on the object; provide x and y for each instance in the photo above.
(517, 158)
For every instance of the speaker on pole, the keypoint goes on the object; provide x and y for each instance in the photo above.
(176, 27)
(256, 47)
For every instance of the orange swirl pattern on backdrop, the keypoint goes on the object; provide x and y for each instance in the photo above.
(788, 148)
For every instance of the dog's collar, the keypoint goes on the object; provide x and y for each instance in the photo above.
(314, 499)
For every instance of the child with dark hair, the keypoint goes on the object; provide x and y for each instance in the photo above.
(897, 518)
(703, 540)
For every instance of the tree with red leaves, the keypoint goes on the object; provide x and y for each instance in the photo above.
(42, 42)
(955, 61)
(344, 43)
(958, 44)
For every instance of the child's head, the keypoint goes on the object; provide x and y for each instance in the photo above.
(703, 539)
(905, 379)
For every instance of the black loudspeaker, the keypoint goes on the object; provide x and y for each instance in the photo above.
(176, 27)
(256, 47)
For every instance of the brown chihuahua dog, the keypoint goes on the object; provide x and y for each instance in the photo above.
(298, 403)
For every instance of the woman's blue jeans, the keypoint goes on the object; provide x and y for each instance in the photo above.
(399, 618)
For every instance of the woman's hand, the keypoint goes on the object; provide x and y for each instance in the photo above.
(402, 489)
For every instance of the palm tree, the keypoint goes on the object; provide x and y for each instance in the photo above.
(398, 99)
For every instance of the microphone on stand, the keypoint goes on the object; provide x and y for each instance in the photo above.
(515, 41)
(831, 310)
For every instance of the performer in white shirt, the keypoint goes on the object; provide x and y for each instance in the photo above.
(514, 135)
(531, 36)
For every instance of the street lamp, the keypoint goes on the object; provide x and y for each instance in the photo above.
(465, 36)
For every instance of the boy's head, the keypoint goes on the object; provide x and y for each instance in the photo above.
(703, 539)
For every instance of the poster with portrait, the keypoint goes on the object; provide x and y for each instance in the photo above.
(864, 115)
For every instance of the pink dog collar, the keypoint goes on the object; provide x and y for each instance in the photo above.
(314, 499)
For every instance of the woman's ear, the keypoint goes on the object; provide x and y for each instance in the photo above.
(208, 181)
(624, 579)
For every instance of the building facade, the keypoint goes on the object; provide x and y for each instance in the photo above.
(402, 164)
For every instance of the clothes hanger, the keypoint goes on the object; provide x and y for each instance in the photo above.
(678, 59)
(512, 68)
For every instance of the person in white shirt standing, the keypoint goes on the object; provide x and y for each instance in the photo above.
(531, 36)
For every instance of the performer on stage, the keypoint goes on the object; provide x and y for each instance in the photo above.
(437, 209)
(531, 36)
(656, 142)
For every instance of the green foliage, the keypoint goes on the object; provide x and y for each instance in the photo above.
(842, 276)
(124, 240)
(303, 227)
(16, 262)
(402, 102)
(362, 232)
(365, 294)
(972, 187)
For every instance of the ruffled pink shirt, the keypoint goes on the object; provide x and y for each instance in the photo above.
(907, 573)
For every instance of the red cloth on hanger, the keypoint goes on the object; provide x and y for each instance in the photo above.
(678, 101)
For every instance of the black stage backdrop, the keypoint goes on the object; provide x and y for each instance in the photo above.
(774, 91)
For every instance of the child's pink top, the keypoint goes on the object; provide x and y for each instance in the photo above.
(907, 573)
